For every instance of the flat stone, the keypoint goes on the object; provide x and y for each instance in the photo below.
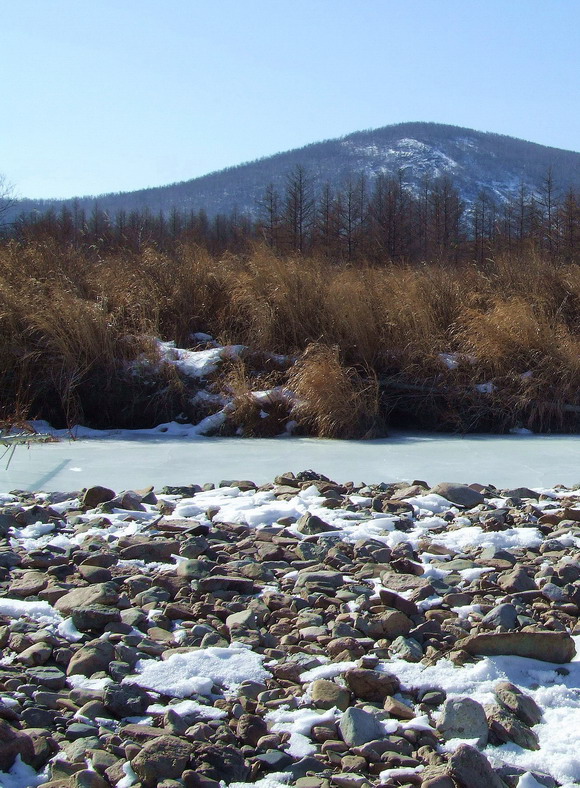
(87, 617)
(99, 594)
(398, 709)
(555, 647)
(28, 585)
(150, 550)
(239, 585)
(372, 685)
(50, 677)
(324, 578)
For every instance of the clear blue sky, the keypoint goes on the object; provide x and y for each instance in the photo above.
(113, 95)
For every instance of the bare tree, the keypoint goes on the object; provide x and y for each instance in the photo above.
(7, 199)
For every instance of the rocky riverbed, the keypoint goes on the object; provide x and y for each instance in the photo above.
(304, 632)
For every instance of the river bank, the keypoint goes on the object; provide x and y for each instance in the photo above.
(309, 632)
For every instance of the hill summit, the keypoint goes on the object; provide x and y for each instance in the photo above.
(476, 162)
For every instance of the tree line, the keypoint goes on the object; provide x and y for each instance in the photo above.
(376, 220)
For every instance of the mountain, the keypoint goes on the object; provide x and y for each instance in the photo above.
(475, 161)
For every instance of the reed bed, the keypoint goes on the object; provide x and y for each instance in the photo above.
(77, 329)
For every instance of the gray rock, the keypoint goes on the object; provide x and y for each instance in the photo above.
(243, 620)
(458, 494)
(87, 617)
(358, 727)
(220, 763)
(9, 559)
(303, 766)
(463, 718)
(318, 579)
(125, 700)
(406, 648)
(520, 492)
(80, 730)
(50, 677)
(504, 615)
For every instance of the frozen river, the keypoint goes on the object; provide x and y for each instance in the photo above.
(138, 461)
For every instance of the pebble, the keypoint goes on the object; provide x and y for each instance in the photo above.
(156, 581)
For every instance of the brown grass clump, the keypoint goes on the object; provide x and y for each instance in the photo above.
(332, 401)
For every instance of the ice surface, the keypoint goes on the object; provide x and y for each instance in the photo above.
(132, 460)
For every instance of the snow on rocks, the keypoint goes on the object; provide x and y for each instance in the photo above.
(302, 632)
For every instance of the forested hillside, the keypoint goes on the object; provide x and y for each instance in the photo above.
(479, 163)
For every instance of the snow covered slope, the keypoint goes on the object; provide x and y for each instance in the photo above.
(475, 160)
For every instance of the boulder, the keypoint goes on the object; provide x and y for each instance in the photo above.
(326, 694)
(505, 726)
(93, 496)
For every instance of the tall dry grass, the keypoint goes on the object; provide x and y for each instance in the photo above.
(73, 321)
(333, 401)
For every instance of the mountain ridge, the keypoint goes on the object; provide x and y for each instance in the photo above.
(476, 161)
